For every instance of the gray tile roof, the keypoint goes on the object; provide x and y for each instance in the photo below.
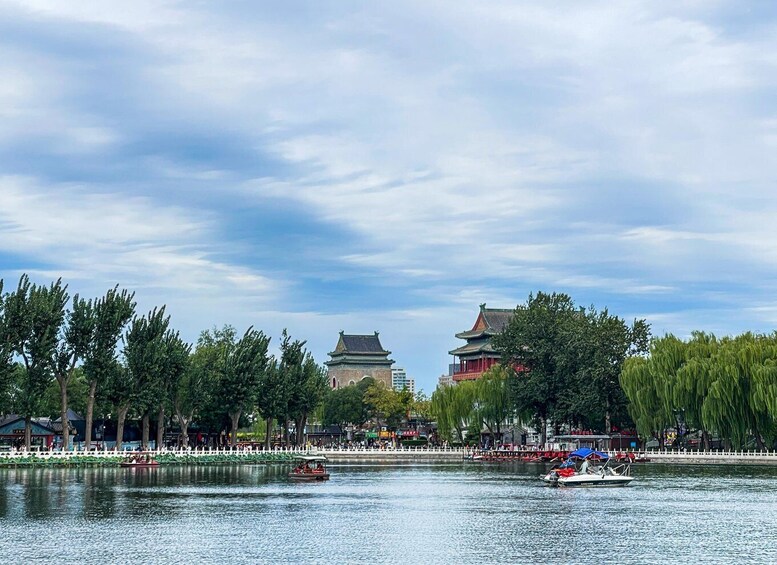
(361, 343)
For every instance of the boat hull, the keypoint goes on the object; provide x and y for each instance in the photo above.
(588, 480)
(308, 477)
(616, 481)
(139, 465)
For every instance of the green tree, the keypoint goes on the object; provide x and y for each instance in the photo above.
(33, 317)
(244, 368)
(309, 395)
(289, 378)
(120, 388)
(191, 391)
(211, 352)
(387, 405)
(144, 351)
(454, 409)
(110, 315)
(543, 339)
(494, 404)
(74, 339)
(7, 365)
(175, 368)
(568, 362)
(344, 406)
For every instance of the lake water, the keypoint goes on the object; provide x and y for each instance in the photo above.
(445, 513)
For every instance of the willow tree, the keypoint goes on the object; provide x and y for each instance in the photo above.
(646, 405)
(454, 408)
(764, 385)
(694, 379)
(494, 403)
(733, 405)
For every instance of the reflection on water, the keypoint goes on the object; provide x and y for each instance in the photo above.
(447, 513)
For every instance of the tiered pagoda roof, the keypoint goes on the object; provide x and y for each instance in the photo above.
(490, 322)
(362, 349)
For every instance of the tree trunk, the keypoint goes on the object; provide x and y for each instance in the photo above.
(144, 439)
(607, 422)
(160, 427)
(267, 433)
(63, 413)
(120, 426)
(235, 417)
(705, 440)
(184, 431)
(300, 423)
(543, 433)
(286, 432)
(89, 414)
(27, 433)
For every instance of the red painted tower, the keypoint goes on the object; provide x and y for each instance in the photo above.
(478, 355)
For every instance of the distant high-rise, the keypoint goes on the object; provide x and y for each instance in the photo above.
(400, 381)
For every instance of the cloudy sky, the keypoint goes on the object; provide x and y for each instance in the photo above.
(389, 166)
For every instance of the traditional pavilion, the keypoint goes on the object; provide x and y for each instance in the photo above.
(357, 357)
(478, 355)
(12, 432)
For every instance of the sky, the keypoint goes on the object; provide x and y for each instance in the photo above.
(389, 166)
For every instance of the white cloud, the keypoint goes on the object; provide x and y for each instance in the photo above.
(463, 150)
(95, 240)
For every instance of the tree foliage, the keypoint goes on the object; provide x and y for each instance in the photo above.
(726, 387)
(567, 360)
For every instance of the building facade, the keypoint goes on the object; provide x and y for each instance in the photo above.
(357, 357)
(478, 355)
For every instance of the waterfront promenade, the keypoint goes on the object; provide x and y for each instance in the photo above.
(343, 454)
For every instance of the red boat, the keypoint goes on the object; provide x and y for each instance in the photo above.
(140, 462)
(311, 468)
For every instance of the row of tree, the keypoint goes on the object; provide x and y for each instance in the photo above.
(138, 365)
(725, 387)
(462, 411)
(560, 366)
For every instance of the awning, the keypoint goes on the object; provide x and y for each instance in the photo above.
(586, 452)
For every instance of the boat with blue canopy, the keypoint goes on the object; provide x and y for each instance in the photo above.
(586, 467)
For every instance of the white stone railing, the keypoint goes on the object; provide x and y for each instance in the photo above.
(107, 453)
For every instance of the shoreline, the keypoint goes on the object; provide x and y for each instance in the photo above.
(399, 456)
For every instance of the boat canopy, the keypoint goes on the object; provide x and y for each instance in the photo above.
(586, 452)
(310, 458)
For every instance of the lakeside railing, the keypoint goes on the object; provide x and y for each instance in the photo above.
(210, 451)
(666, 455)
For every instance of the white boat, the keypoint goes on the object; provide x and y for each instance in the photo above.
(586, 467)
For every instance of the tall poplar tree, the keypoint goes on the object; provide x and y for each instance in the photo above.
(74, 340)
(34, 315)
(110, 316)
(144, 351)
(244, 367)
